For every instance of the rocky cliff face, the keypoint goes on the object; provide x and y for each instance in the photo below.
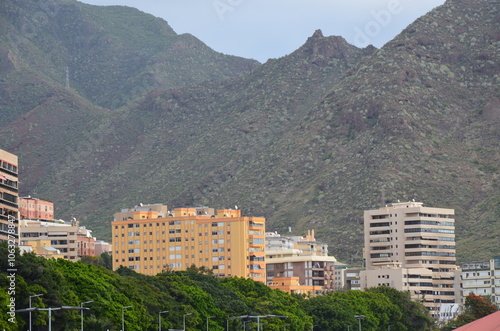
(309, 140)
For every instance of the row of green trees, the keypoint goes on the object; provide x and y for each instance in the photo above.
(194, 292)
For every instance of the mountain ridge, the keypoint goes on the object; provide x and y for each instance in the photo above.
(309, 140)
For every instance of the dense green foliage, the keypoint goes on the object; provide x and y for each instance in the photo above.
(309, 140)
(193, 294)
(381, 306)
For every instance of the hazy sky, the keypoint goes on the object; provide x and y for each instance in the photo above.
(262, 29)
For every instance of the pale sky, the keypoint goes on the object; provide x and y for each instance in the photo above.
(263, 29)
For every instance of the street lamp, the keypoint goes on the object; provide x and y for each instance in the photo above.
(50, 311)
(389, 327)
(359, 318)
(81, 306)
(184, 321)
(209, 317)
(33, 296)
(159, 318)
(123, 317)
(257, 317)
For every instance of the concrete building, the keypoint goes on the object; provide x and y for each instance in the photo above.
(352, 279)
(151, 239)
(412, 247)
(36, 209)
(298, 264)
(9, 193)
(482, 278)
(60, 235)
(41, 248)
(85, 242)
(101, 246)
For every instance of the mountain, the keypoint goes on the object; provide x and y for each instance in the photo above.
(109, 55)
(309, 140)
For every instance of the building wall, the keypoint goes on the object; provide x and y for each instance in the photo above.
(408, 237)
(62, 236)
(41, 248)
(302, 259)
(482, 278)
(102, 246)
(352, 278)
(32, 208)
(9, 193)
(85, 246)
(225, 241)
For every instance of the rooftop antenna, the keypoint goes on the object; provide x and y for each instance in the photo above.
(67, 77)
(382, 197)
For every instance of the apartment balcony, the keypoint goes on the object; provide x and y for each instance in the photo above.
(11, 188)
(8, 203)
(380, 247)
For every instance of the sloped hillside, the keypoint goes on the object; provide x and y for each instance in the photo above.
(109, 55)
(309, 140)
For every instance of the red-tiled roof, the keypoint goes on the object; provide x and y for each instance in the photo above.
(487, 323)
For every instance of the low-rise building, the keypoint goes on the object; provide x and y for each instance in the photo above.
(151, 239)
(102, 246)
(298, 264)
(352, 277)
(482, 278)
(85, 242)
(36, 209)
(60, 235)
(41, 248)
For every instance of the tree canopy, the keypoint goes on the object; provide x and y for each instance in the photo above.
(193, 295)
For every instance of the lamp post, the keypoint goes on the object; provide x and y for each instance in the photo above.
(33, 296)
(359, 318)
(159, 318)
(50, 311)
(184, 321)
(389, 327)
(123, 316)
(81, 311)
(209, 317)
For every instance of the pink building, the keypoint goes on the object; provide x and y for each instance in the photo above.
(36, 209)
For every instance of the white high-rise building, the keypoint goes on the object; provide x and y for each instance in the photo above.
(412, 248)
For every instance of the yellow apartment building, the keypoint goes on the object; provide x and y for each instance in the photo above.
(9, 204)
(412, 247)
(151, 239)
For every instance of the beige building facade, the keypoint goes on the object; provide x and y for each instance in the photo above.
(411, 247)
(151, 239)
(57, 235)
(482, 278)
(302, 265)
(9, 196)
